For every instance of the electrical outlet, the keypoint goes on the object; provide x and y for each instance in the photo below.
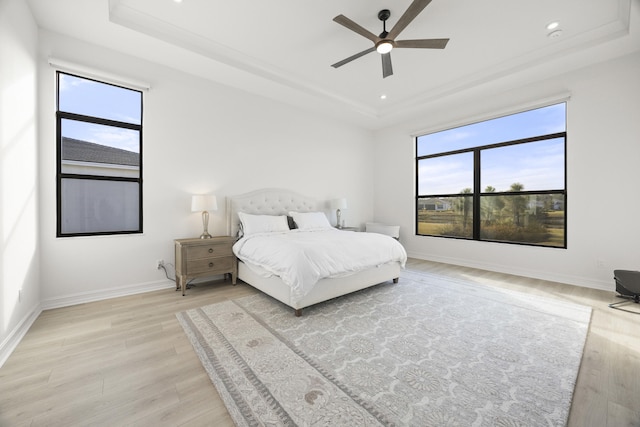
(159, 264)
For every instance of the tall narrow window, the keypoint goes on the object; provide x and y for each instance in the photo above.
(501, 180)
(99, 158)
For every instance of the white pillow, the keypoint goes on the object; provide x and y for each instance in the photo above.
(310, 220)
(252, 224)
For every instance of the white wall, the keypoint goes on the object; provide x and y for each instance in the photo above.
(19, 252)
(603, 172)
(199, 137)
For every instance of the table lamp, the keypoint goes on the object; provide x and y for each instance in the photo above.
(338, 204)
(204, 203)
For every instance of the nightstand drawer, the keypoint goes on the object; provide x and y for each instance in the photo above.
(210, 265)
(208, 251)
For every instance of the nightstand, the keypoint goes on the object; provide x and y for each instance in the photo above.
(350, 229)
(204, 257)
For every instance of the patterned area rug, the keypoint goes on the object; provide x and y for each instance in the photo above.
(427, 351)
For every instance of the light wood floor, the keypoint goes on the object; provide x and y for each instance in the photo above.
(126, 361)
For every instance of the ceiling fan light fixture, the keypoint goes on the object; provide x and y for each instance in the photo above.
(384, 46)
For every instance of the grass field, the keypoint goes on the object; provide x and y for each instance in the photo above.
(442, 223)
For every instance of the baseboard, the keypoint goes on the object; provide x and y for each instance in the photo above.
(13, 339)
(534, 274)
(84, 297)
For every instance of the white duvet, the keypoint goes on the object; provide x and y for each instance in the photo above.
(301, 258)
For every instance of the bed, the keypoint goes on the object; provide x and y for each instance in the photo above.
(279, 202)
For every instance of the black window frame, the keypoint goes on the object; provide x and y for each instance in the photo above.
(477, 193)
(60, 176)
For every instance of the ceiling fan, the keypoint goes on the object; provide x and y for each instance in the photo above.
(386, 41)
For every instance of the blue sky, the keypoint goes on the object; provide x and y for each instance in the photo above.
(538, 166)
(82, 96)
(541, 121)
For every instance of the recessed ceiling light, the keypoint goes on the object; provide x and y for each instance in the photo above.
(178, 1)
(553, 25)
(383, 96)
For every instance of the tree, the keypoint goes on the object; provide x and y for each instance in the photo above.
(517, 202)
(466, 207)
(492, 203)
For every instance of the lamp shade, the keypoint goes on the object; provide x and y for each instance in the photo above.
(340, 203)
(203, 202)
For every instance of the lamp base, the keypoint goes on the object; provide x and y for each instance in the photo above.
(205, 226)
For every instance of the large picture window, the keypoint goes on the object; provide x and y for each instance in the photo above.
(500, 180)
(99, 158)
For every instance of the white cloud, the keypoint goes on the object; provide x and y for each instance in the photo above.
(119, 138)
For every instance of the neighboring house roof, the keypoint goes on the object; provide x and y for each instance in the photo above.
(83, 151)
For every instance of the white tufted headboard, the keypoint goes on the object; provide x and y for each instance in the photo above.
(268, 201)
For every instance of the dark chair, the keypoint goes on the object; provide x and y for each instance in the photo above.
(627, 287)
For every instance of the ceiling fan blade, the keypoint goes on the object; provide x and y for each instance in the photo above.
(387, 69)
(352, 57)
(409, 15)
(348, 23)
(423, 44)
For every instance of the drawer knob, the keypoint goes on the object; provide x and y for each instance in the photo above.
(210, 250)
(210, 264)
